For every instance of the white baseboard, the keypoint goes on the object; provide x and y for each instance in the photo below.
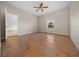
(77, 45)
(61, 33)
(27, 33)
(56, 33)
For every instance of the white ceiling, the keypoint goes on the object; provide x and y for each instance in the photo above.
(28, 6)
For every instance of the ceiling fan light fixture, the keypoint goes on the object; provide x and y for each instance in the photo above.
(41, 7)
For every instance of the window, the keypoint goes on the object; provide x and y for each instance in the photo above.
(50, 24)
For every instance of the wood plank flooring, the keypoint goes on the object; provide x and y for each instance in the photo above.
(39, 44)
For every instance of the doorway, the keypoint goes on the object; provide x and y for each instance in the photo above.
(10, 24)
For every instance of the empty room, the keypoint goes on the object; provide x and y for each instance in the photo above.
(39, 28)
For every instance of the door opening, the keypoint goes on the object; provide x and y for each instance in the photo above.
(10, 24)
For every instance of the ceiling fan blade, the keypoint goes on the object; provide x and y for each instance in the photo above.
(36, 7)
(42, 10)
(45, 7)
(37, 10)
(41, 5)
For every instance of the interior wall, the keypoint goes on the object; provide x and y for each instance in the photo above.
(27, 23)
(2, 23)
(74, 22)
(61, 19)
(0, 31)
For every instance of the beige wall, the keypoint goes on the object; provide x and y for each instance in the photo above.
(61, 19)
(74, 22)
(27, 23)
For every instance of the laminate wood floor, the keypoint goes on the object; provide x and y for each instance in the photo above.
(39, 44)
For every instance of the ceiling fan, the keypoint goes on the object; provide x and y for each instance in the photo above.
(41, 7)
